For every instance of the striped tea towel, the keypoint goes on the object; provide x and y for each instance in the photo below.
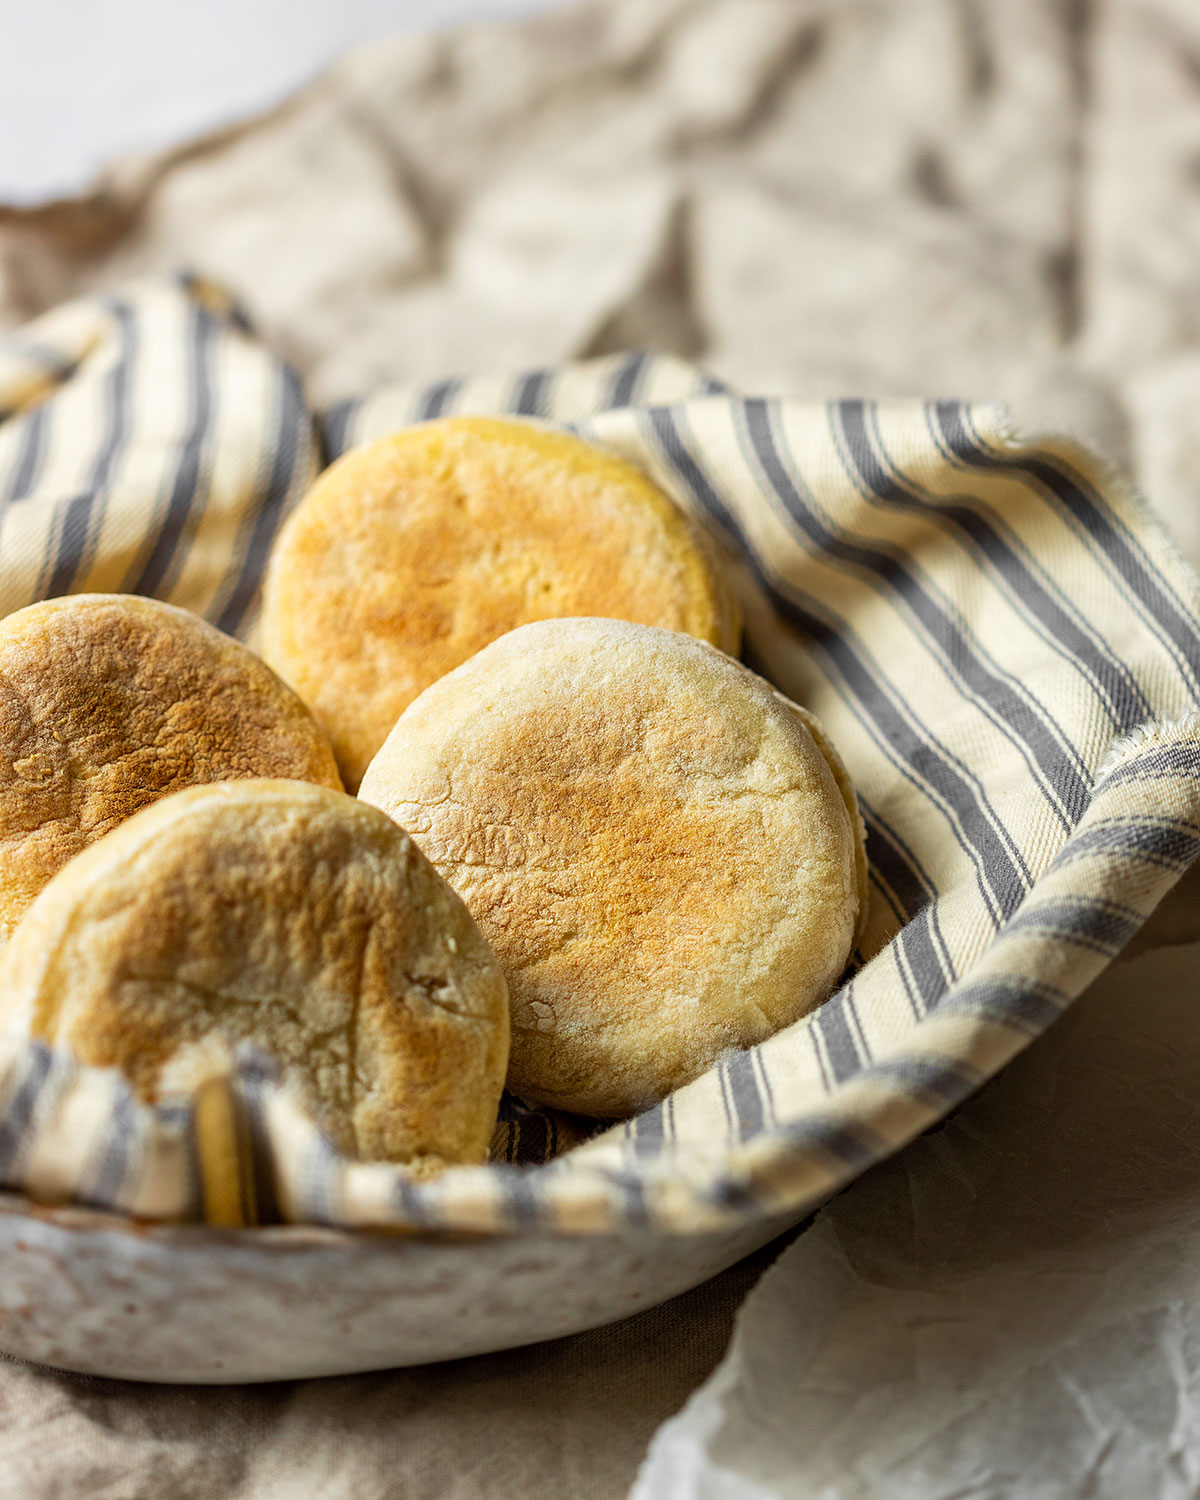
(1001, 641)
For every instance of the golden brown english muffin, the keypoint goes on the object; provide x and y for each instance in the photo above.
(110, 701)
(649, 836)
(411, 554)
(286, 915)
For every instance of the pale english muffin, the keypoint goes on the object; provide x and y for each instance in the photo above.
(110, 701)
(411, 554)
(286, 915)
(649, 836)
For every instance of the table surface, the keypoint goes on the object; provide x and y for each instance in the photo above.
(81, 82)
(996, 201)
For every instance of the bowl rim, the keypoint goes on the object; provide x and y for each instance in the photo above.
(79, 1219)
(73, 1218)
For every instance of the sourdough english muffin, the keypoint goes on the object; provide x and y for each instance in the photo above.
(411, 554)
(110, 701)
(664, 859)
(291, 916)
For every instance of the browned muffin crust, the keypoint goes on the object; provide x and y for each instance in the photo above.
(286, 915)
(659, 851)
(411, 554)
(111, 701)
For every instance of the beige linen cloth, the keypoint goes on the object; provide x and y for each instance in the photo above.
(858, 197)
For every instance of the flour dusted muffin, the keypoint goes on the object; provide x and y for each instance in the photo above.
(287, 915)
(411, 554)
(110, 701)
(659, 851)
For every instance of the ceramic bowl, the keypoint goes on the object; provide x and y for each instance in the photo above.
(93, 1293)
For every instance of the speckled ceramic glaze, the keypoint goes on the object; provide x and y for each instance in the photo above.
(97, 1294)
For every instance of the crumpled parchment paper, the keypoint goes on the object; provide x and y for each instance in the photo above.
(1011, 1308)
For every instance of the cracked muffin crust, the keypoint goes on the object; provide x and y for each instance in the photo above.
(409, 555)
(286, 915)
(111, 701)
(664, 859)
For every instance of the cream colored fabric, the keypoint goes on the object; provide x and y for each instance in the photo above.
(1002, 644)
(173, 446)
(820, 197)
(570, 1418)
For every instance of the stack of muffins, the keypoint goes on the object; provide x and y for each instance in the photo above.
(579, 848)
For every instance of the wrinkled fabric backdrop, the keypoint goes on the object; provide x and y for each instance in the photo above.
(820, 197)
(823, 197)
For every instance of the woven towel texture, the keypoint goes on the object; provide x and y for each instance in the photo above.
(1001, 641)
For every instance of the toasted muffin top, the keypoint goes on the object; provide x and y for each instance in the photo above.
(110, 701)
(411, 554)
(649, 836)
(286, 915)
